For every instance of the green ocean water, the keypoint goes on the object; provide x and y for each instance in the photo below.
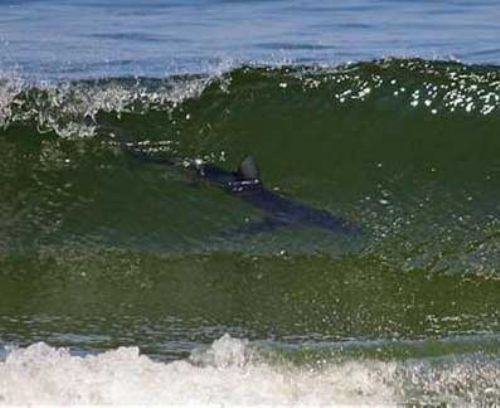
(99, 250)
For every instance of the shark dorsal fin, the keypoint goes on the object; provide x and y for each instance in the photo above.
(248, 168)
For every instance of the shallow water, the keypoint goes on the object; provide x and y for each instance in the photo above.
(127, 281)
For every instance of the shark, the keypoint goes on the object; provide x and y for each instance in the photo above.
(246, 184)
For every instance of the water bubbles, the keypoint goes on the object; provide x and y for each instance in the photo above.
(487, 109)
(365, 91)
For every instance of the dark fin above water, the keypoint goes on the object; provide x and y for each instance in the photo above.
(248, 168)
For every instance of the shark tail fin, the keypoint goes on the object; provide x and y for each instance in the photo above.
(248, 168)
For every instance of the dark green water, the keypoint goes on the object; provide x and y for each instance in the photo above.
(99, 250)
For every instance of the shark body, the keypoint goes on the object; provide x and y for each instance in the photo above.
(278, 210)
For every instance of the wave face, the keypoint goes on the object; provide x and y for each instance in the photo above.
(98, 249)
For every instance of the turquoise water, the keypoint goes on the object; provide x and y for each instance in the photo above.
(128, 281)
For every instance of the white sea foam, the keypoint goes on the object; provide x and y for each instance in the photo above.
(226, 374)
(10, 86)
(69, 109)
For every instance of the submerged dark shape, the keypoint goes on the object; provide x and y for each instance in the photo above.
(279, 211)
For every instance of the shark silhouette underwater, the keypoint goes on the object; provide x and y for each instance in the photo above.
(245, 183)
